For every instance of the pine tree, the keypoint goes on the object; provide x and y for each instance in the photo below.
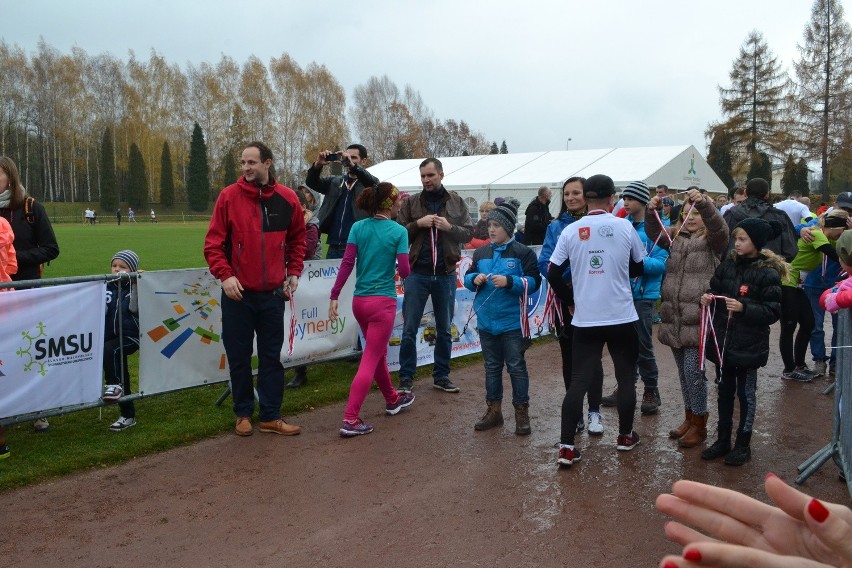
(228, 168)
(761, 167)
(167, 179)
(503, 148)
(399, 152)
(137, 179)
(824, 83)
(494, 149)
(800, 179)
(719, 155)
(788, 180)
(753, 105)
(109, 187)
(198, 172)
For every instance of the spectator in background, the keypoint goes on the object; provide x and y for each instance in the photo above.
(309, 201)
(538, 217)
(795, 209)
(35, 242)
(738, 195)
(479, 235)
(121, 336)
(721, 201)
(663, 192)
(131, 216)
(757, 204)
(666, 216)
(339, 208)
(118, 216)
(8, 267)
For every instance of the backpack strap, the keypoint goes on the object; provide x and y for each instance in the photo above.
(29, 210)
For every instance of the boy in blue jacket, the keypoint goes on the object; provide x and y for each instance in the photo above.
(646, 292)
(502, 274)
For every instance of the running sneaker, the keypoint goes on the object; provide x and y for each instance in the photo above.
(567, 455)
(797, 375)
(446, 385)
(627, 442)
(404, 400)
(357, 428)
(405, 384)
(595, 423)
(112, 393)
(122, 424)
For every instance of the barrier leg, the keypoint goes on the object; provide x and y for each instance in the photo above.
(830, 388)
(224, 396)
(812, 464)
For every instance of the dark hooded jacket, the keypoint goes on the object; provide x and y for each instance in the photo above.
(743, 338)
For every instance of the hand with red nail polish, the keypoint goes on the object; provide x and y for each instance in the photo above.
(724, 528)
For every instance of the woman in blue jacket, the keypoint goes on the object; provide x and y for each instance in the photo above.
(573, 208)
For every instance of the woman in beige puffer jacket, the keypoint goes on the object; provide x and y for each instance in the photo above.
(693, 257)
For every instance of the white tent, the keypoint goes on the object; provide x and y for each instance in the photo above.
(480, 178)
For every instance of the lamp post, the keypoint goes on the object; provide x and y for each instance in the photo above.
(567, 143)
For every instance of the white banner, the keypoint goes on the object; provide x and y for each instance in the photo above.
(315, 337)
(51, 347)
(181, 324)
(180, 321)
(180, 317)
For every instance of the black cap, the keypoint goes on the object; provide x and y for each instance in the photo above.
(598, 186)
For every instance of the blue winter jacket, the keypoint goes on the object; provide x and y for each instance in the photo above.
(498, 309)
(554, 229)
(647, 286)
(123, 306)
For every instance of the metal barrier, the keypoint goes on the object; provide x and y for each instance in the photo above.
(121, 277)
(840, 447)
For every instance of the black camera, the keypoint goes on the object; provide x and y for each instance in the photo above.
(332, 158)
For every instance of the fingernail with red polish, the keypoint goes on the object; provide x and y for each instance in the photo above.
(692, 555)
(770, 474)
(669, 564)
(817, 510)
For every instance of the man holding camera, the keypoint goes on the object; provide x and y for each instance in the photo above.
(338, 211)
(253, 221)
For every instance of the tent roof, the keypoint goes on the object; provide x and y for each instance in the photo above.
(676, 166)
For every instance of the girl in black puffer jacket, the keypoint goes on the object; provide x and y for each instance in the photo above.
(746, 288)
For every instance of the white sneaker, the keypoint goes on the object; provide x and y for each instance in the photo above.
(595, 423)
(122, 424)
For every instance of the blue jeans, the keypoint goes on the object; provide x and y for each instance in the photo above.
(505, 347)
(418, 288)
(646, 365)
(260, 313)
(335, 251)
(818, 333)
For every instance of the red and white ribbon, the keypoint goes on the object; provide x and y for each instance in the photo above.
(292, 324)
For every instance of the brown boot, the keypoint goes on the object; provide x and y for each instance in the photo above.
(493, 416)
(522, 419)
(681, 430)
(696, 433)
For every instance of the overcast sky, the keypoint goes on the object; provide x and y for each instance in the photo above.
(607, 73)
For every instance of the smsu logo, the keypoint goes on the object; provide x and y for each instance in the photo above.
(40, 350)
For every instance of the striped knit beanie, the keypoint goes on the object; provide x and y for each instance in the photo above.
(637, 190)
(506, 214)
(130, 258)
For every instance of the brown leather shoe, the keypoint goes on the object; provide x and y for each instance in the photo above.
(279, 427)
(243, 427)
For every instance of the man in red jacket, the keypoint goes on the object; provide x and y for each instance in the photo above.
(255, 246)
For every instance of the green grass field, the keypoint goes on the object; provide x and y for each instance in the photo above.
(82, 440)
